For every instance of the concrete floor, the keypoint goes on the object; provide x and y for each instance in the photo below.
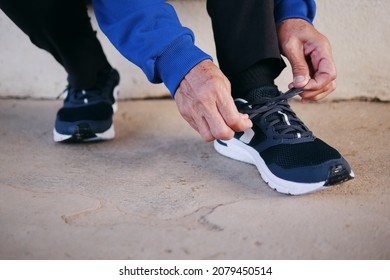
(159, 192)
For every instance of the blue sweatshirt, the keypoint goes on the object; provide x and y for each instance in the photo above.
(150, 35)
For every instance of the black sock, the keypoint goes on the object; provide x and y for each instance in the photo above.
(261, 92)
(99, 79)
(260, 75)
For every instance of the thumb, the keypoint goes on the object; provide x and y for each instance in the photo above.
(300, 69)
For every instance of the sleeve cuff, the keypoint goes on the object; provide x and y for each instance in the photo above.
(295, 9)
(177, 60)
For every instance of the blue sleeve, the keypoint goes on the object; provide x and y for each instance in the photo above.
(149, 34)
(285, 9)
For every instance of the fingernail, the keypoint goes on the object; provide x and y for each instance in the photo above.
(299, 79)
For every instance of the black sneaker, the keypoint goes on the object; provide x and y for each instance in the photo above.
(87, 114)
(286, 153)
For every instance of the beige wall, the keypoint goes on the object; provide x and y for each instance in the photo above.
(359, 31)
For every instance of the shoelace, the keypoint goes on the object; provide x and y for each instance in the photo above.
(278, 115)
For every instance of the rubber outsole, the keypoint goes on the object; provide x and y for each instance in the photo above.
(84, 133)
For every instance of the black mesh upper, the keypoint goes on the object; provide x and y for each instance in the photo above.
(300, 154)
(97, 112)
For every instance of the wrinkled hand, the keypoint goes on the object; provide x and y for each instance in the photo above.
(310, 56)
(204, 100)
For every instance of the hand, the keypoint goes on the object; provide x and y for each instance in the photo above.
(204, 100)
(310, 56)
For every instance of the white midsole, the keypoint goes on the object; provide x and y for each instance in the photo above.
(242, 152)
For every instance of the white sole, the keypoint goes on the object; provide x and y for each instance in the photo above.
(106, 135)
(237, 150)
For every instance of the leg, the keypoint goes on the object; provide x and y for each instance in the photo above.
(246, 42)
(286, 153)
(62, 28)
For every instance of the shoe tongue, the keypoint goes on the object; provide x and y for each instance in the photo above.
(260, 93)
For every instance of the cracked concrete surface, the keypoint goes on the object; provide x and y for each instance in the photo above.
(159, 192)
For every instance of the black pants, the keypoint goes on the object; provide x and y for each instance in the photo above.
(244, 31)
(246, 42)
(63, 28)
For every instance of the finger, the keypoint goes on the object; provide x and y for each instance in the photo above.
(324, 70)
(227, 109)
(198, 123)
(236, 121)
(219, 129)
(295, 54)
(324, 91)
(315, 98)
(204, 129)
(192, 123)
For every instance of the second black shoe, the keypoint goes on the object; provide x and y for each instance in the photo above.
(87, 114)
